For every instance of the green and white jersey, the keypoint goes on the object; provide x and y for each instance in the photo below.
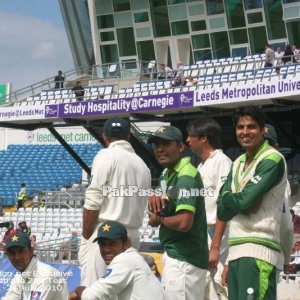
(253, 199)
(184, 188)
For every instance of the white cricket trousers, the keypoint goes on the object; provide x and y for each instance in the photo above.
(182, 280)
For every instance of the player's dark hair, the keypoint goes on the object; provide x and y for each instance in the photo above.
(252, 111)
(205, 126)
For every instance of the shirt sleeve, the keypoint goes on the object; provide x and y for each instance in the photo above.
(101, 171)
(222, 169)
(14, 292)
(286, 228)
(268, 173)
(117, 277)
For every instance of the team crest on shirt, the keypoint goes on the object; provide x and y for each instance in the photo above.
(34, 295)
(107, 273)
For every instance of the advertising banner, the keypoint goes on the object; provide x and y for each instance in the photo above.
(245, 92)
(15, 113)
(119, 106)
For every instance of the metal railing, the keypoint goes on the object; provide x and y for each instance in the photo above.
(128, 69)
(47, 83)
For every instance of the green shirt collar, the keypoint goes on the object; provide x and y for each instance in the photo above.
(181, 163)
(265, 146)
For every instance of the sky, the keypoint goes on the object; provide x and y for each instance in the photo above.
(33, 42)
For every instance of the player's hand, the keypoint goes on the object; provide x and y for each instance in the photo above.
(214, 255)
(156, 204)
(154, 220)
(73, 296)
(224, 275)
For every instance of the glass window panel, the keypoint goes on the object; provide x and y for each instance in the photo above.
(141, 17)
(177, 12)
(220, 44)
(202, 54)
(275, 24)
(242, 51)
(145, 50)
(106, 21)
(123, 19)
(289, 1)
(191, 0)
(198, 25)
(121, 5)
(195, 10)
(109, 53)
(214, 7)
(258, 38)
(217, 23)
(235, 14)
(293, 29)
(175, 1)
(181, 27)
(160, 18)
(291, 12)
(200, 41)
(126, 41)
(144, 32)
(255, 18)
(107, 36)
(252, 4)
(238, 36)
(103, 7)
(139, 4)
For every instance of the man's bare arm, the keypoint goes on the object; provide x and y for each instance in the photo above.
(89, 222)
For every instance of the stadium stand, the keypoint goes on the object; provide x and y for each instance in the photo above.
(208, 74)
(42, 167)
(53, 96)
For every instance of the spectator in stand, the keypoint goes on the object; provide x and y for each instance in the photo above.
(181, 215)
(296, 53)
(165, 72)
(278, 54)
(127, 276)
(79, 91)
(59, 80)
(69, 249)
(296, 221)
(34, 279)
(270, 56)
(294, 266)
(22, 195)
(115, 170)
(278, 74)
(190, 81)
(179, 75)
(10, 230)
(288, 56)
(22, 226)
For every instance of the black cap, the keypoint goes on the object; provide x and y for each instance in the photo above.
(111, 230)
(116, 127)
(18, 239)
(169, 133)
